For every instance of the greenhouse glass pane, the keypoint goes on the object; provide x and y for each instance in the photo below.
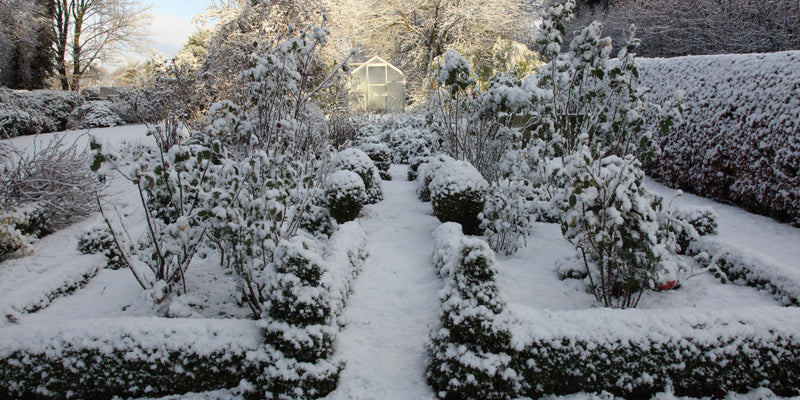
(377, 74)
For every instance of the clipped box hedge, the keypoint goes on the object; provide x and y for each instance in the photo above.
(133, 357)
(744, 269)
(637, 353)
(740, 136)
(154, 357)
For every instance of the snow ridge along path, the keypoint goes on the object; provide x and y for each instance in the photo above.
(395, 300)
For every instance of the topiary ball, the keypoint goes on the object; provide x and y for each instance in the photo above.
(345, 194)
(457, 193)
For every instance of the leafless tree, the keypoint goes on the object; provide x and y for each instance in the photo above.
(413, 33)
(671, 28)
(88, 31)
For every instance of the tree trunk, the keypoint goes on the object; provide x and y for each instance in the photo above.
(78, 13)
(61, 16)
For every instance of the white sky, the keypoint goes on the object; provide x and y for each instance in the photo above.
(171, 24)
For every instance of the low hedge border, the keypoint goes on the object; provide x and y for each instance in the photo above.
(150, 356)
(744, 269)
(39, 293)
(470, 354)
(98, 359)
(637, 353)
(298, 359)
(631, 353)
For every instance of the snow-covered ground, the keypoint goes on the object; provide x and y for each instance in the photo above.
(111, 293)
(394, 302)
(773, 242)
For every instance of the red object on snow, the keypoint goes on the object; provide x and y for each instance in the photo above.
(667, 285)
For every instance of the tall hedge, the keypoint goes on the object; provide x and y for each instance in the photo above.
(740, 136)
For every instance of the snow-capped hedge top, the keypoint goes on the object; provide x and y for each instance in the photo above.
(739, 136)
(353, 159)
(457, 177)
(429, 168)
(341, 183)
(146, 338)
(648, 328)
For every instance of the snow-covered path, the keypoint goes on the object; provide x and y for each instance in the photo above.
(394, 302)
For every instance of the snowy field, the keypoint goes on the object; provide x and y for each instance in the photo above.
(394, 303)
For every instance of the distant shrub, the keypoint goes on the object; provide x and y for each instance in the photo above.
(458, 194)
(408, 136)
(56, 178)
(413, 167)
(345, 194)
(94, 114)
(13, 242)
(37, 111)
(380, 154)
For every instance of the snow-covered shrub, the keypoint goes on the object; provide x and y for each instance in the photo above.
(703, 219)
(638, 353)
(458, 194)
(413, 167)
(54, 177)
(738, 267)
(610, 220)
(356, 160)
(380, 154)
(738, 138)
(271, 156)
(94, 114)
(306, 299)
(584, 97)
(408, 139)
(171, 181)
(317, 221)
(298, 302)
(39, 221)
(685, 224)
(37, 111)
(508, 215)
(130, 357)
(426, 172)
(341, 130)
(345, 195)
(127, 104)
(470, 354)
(13, 242)
(99, 240)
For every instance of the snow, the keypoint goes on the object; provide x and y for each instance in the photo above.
(157, 335)
(394, 302)
(456, 177)
(774, 242)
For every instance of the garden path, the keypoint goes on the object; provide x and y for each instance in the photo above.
(395, 301)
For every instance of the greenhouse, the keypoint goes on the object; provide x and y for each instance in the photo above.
(380, 86)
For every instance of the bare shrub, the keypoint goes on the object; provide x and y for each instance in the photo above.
(55, 175)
